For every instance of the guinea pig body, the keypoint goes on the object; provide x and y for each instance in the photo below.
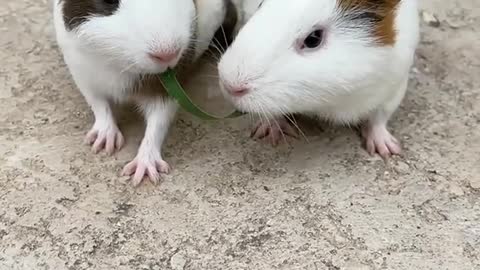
(115, 51)
(347, 61)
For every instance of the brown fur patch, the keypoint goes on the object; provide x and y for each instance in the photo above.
(380, 12)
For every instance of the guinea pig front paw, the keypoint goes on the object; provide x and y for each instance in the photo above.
(274, 130)
(146, 165)
(105, 137)
(379, 140)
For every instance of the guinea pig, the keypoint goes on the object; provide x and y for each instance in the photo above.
(346, 61)
(115, 50)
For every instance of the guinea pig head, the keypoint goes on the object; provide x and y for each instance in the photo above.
(138, 36)
(295, 56)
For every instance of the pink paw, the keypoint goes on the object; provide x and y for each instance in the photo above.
(274, 131)
(150, 167)
(379, 140)
(105, 138)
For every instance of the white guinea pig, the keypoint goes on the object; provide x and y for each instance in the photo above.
(347, 61)
(115, 50)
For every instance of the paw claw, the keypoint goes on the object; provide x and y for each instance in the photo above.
(142, 168)
(108, 138)
(163, 167)
(119, 141)
(91, 137)
(380, 140)
(129, 169)
(153, 175)
(275, 131)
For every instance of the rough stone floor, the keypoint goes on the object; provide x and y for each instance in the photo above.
(233, 203)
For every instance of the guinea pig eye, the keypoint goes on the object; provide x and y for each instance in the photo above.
(313, 40)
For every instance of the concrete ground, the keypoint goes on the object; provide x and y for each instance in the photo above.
(233, 203)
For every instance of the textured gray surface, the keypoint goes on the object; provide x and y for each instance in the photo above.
(232, 203)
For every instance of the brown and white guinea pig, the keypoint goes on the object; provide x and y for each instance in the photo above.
(115, 49)
(346, 61)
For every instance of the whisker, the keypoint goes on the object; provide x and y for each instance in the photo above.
(224, 37)
(277, 124)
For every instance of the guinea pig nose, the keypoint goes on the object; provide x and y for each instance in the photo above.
(237, 91)
(165, 56)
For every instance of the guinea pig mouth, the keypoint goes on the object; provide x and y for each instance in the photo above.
(254, 105)
(246, 105)
(153, 69)
(152, 65)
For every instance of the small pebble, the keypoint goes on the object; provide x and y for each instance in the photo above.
(475, 183)
(177, 262)
(430, 19)
(402, 167)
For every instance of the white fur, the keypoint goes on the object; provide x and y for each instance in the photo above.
(245, 10)
(211, 16)
(106, 55)
(347, 80)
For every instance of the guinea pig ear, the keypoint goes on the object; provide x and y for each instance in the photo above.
(77, 12)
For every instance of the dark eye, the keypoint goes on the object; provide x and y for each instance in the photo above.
(112, 2)
(314, 40)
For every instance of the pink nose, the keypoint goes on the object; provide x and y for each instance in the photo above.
(236, 91)
(165, 56)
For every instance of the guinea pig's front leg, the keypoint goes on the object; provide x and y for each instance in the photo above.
(159, 113)
(105, 134)
(377, 137)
